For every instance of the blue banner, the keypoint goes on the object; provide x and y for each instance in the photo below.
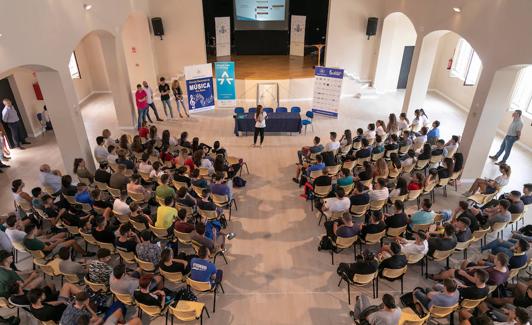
(225, 83)
(200, 94)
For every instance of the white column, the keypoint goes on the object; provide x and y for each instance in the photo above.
(490, 102)
(61, 101)
(115, 64)
(420, 71)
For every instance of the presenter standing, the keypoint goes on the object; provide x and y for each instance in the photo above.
(260, 125)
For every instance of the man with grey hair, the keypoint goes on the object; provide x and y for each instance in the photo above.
(50, 179)
(512, 136)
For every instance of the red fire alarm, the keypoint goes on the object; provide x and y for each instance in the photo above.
(133, 49)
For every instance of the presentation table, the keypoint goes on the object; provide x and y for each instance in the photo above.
(275, 122)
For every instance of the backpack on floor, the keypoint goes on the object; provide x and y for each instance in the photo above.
(325, 244)
(185, 294)
(239, 181)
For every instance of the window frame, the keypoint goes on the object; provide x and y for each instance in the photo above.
(464, 49)
(73, 55)
(514, 104)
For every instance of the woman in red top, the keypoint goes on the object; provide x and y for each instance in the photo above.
(142, 104)
(417, 182)
(144, 131)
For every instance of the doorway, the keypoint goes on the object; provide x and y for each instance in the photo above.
(6, 92)
(408, 53)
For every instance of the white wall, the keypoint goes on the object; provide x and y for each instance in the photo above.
(441, 81)
(184, 40)
(397, 32)
(347, 43)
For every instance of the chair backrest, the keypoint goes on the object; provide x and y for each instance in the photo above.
(517, 216)
(172, 276)
(413, 194)
(498, 226)
(109, 246)
(73, 230)
(462, 245)
(421, 226)
(101, 186)
(178, 185)
(88, 238)
(187, 310)
(252, 110)
(347, 188)
(295, 109)
(456, 175)
(322, 190)
(362, 279)
(441, 255)
(144, 265)
(395, 232)
(444, 181)
(315, 173)
(471, 303)
(268, 109)
(359, 209)
(441, 312)
(408, 169)
(220, 200)
(95, 286)
(70, 199)
(422, 163)
(479, 234)
(345, 242)
(367, 182)
(38, 254)
(309, 114)
(139, 226)
(404, 149)
(376, 205)
(436, 159)
(349, 164)
(333, 170)
(150, 310)
(281, 110)
(398, 198)
(239, 110)
(24, 205)
(414, 258)
(124, 298)
(198, 285)
(183, 237)
(429, 187)
(128, 257)
(377, 156)
(99, 211)
(114, 192)
(50, 322)
(394, 273)
(50, 268)
(161, 233)
(208, 214)
(137, 197)
(375, 238)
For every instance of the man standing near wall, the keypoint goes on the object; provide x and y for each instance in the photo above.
(151, 104)
(142, 104)
(10, 117)
(513, 134)
(164, 89)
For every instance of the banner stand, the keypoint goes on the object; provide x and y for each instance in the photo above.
(327, 91)
(199, 87)
(225, 83)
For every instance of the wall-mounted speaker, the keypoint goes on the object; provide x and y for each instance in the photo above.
(371, 28)
(157, 25)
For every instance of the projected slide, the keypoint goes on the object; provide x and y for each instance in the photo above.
(260, 10)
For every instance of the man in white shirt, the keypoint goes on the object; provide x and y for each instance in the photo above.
(512, 136)
(340, 203)
(10, 117)
(120, 206)
(100, 152)
(149, 97)
(380, 191)
(419, 245)
(14, 235)
(334, 144)
(48, 179)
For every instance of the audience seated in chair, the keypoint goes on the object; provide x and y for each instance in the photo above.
(99, 269)
(489, 186)
(445, 295)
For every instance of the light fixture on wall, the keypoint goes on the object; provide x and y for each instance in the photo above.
(87, 6)
(457, 9)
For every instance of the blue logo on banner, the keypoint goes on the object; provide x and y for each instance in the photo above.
(225, 80)
(329, 72)
(200, 94)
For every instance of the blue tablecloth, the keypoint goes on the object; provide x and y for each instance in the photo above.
(275, 122)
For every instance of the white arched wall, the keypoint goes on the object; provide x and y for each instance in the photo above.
(397, 32)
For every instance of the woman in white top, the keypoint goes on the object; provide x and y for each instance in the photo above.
(404, 122)
(489, 186)
(260, 125)
(370, 132)
(421, 120)
(381, 128)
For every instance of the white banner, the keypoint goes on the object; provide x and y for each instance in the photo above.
(199, 87)
(327, 91)
(297, 35)
(223, 36)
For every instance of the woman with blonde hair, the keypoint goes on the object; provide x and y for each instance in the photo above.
(381, 169)
(178, 94)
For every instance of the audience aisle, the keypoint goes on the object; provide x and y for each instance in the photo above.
(275, 274)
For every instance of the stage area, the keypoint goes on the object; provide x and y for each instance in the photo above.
(270, 67)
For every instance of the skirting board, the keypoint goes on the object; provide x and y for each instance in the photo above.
(463, 108)
(93, 93)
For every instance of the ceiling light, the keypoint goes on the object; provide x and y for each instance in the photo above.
(457, 9)
(87, 6)
(1, 35)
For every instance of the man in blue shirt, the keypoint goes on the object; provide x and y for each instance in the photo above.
(83, 195)
(306, 151)
(434, 133)
(202, 270)
(318, 165)
(219, 187)
(10, 117)
(423, 216)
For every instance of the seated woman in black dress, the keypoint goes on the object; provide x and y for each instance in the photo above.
(160, 298)
(447, 169)
(171, 265)
(220, 166)
(367, 173)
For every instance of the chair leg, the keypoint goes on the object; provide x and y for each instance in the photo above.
(447, 262)
(377, 287)
(348, 293)
(207, 311)
(332, 257)
(402, 284)
(340, 282)
(214, 303)
(426, 267)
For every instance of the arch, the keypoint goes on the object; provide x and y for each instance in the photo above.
(398, 32)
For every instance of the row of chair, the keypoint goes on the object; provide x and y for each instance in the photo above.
(294, 109)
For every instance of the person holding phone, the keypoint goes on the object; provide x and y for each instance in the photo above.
(260, 125)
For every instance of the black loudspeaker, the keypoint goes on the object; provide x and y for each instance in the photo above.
(371, 29)
(157, 24)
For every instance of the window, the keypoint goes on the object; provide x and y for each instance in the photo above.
(522, 94)
(73, 67)
(466, 63)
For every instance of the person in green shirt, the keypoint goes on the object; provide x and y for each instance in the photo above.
(166, 214)
(33, 244)
(164, 190)
(8, 277)
(344, 177)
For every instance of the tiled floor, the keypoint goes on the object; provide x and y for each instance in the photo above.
(275, 273)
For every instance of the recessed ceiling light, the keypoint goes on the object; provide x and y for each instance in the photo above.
(1, 35)
(87, 6)
(457, 9)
